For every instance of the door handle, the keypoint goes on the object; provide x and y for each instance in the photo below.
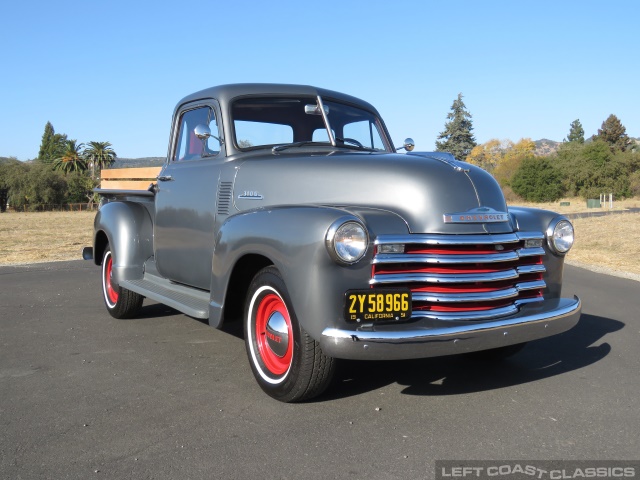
(165, 178)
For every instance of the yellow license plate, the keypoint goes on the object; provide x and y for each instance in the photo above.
(383, 304)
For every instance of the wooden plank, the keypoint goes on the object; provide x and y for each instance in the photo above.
(125, 184)
(133, 173)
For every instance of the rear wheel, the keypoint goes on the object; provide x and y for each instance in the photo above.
(287, 363)
(120, 302)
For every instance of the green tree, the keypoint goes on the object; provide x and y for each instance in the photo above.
(13, 176)
(45, 186)
(100, 155)
(576, 132)
(614, 133)
(457, 137)
(52, 145)
(80, 188)
(71, 159)
(591, 169)
(537, 180)
(31, 185)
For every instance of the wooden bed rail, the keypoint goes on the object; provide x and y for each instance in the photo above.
(128, 178)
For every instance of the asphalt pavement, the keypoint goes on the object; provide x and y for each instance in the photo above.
(165, 396)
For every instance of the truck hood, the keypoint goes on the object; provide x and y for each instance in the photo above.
(422, 188)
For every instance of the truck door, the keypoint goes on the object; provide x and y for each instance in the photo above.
(186, 198)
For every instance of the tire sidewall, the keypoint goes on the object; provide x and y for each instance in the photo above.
(106, 258)
(266, 282)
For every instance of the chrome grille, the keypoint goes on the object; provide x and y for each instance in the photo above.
(463, 277)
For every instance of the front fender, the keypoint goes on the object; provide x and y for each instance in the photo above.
(128, 228)
(293, 239)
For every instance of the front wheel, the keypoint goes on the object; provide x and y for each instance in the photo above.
(287, 363)
(120, 302)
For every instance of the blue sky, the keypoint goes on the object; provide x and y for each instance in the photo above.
(113, 71)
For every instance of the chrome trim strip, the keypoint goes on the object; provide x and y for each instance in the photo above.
(426, 239)
(524, 301)
(530, 235)
(502, 294)
(464, 297)
(534, 285)
(524, 269)
(383, 279)
(468, 316)
(531, 252)
(390, 258)
(489, 239)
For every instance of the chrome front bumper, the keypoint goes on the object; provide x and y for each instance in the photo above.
(437, 338)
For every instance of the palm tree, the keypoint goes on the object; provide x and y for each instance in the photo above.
(99, 154)
(72, 159)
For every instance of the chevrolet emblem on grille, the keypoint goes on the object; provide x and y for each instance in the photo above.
(477, 215)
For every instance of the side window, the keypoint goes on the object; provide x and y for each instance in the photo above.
(320, 135)
(366, 133)
(189, 146)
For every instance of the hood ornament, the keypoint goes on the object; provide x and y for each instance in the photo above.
(477, 215)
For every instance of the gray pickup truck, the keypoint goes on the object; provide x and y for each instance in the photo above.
(288, 206)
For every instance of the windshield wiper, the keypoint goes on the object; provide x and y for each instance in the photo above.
(279, 148)
(356, 144)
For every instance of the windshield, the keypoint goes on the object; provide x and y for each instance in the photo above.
(270, 121)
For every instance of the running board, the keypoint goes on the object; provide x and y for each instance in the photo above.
(190, 301)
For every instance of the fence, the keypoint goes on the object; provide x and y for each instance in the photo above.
(66, 207)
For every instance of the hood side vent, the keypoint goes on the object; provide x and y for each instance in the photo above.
(225, 192)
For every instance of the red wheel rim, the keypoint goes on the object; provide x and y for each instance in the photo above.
(270, 304)
(111, 292)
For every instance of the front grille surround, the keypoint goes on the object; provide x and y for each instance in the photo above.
(463, 277)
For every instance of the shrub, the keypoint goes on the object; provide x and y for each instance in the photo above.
(537, 180)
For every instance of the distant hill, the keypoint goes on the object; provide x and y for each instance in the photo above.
(546, 147)
(138, 162)
(4, 160)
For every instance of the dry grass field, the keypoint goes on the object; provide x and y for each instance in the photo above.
(44, 236)
(610, 243)
(578, 205)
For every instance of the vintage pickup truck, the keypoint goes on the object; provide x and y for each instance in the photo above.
(288, 206)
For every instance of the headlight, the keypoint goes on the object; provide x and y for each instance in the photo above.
(560, 236)
(347, 241)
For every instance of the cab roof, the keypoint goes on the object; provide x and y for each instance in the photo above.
(225, 94)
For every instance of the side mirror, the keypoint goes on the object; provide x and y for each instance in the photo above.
(408, 145)
(203, 132)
